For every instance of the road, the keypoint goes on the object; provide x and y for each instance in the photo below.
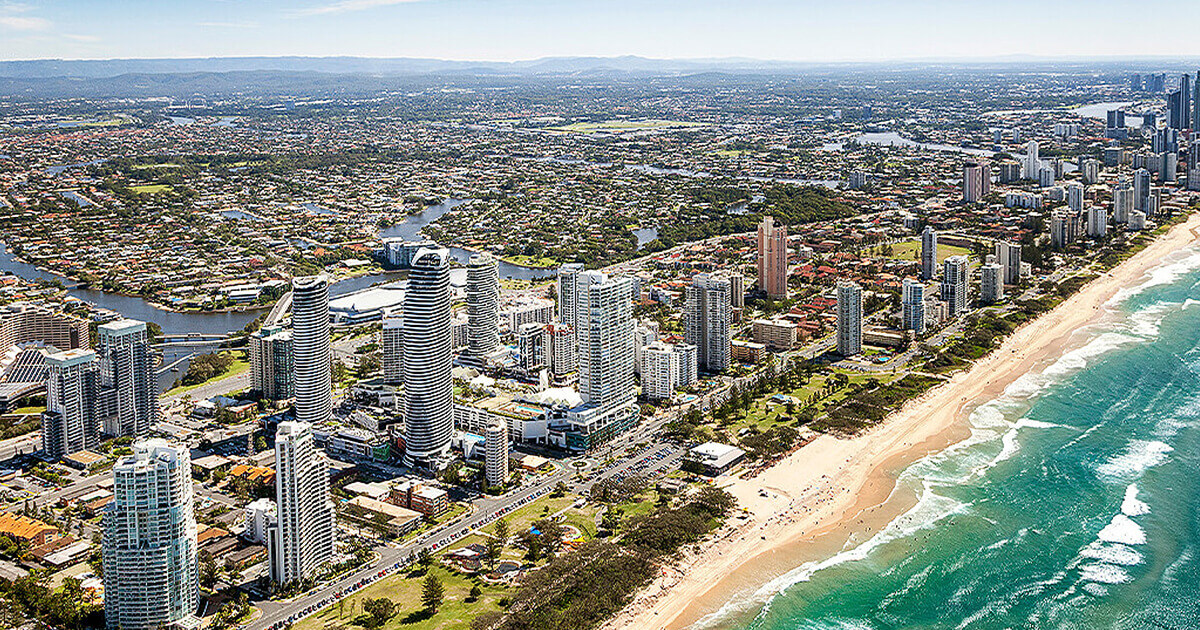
(20, 445)
(486, 511)
(644, 460)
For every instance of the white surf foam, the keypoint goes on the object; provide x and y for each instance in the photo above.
(1139, 456)
(1114, 553)
(1104, 573)
(1124, 530)
(1131, 506)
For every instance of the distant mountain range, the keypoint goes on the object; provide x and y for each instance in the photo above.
(106, 68)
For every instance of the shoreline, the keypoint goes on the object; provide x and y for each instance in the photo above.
(835, 494)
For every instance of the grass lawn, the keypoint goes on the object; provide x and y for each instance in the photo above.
(239, 365)
(764, 415)
(911, 250)
(530, 261)
(455, 613)
(21, 411)
(151, 189)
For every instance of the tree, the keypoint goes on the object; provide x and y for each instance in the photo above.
(475, 593)
(209, 571)
(552, 533)
(379, 610)
(424, 558)
(432, 592)
(502, 531)
(491, 551)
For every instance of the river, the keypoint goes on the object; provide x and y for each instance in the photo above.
(222, 322)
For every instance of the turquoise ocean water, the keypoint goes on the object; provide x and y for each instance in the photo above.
(1075, 503)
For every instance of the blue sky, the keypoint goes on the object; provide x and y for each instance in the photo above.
(799, 30)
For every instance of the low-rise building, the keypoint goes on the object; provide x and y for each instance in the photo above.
(712, 458)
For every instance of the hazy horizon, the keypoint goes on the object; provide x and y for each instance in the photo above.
(520, 30)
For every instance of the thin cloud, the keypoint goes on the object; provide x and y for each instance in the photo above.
(346, 6)
(228, 24)
(20, 23)
(81, 38)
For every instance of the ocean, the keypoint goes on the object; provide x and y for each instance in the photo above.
(1074, 504)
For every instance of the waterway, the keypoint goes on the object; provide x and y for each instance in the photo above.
(223, 322)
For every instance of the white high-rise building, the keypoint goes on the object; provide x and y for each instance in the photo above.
(483, 306)
(495, 442)
(1033, 164)
(301, 539)
(928, 253)
(71, 423)
(955, 273)
(707, 320)
(568, 295)
(561, 355)
(1122, 204)
(129, 390)
(310, 345)
(1097, 221)
(1008, 256)
(1075, 192)
(912, 304)
(991, 285)
(151, 577)
(606, 341)
(428, 359)
(666, 368)
(849, 319)
(393, 347)
(531, 347)
(272, 368)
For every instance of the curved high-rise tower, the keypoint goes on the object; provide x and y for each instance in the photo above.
(428, 356)
(310, 345)
(483, 306)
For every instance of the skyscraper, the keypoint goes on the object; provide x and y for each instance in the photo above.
(1075, 196)
(129, 395)
(151, 578)
(772, 258)
(568, 295)
(310, 343)
(71, 423)
(606, 340)
(393, 348)
(561, 352)
(929, 254)
(1097, 221)
(531, 347)
(428, 357)
(954, 284)
(1033, 165)
(737, 290)
(991, 286)
(1122, 203)
(301, 540)
(912, 302)
(483, 306)
(272, 372)
(707, 321)
(1141, 190)
(1185, 94)
(977, 181)
(1008, 256)
(849, 319)
(495, 448)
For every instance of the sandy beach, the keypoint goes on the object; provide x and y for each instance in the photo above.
(835, 493)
